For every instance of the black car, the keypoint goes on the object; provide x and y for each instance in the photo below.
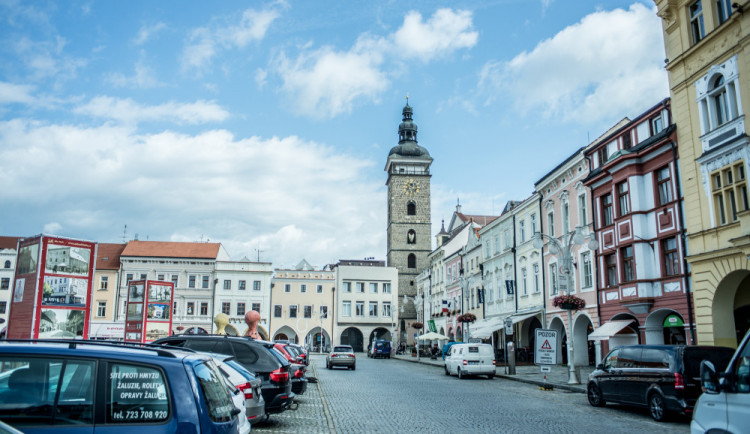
(255, 355)
(664, 378)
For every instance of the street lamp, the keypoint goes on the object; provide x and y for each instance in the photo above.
(562, 250)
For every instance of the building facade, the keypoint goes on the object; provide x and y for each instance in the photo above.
(708, 64)
(302, 304)
(8, 254)
(243, 286)
(104, 293)
(409, 219)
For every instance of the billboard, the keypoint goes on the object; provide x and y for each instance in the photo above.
(149, 310)
(52, 295)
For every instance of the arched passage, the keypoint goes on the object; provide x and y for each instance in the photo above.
(584, 351)
(665, 326)
(285, 332)
(731, 308)
(379, 333)
(562, 339)
(352, 336)
(318, 339)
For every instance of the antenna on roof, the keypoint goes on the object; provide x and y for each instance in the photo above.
(258, 250)
(125, 234)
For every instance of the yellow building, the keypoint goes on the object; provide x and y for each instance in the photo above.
(708, 61)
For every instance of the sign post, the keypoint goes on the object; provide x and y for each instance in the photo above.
(545, 351)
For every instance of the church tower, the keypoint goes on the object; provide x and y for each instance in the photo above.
(409, 223)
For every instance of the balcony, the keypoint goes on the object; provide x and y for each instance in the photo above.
(723, 133)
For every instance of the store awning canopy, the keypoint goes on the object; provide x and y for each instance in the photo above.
(485, 331)
(673, 320)
(609, 329)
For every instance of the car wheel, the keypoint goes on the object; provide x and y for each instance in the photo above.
(328, 366)
(594, 395)
(656, 407)
(490, 376)
(447, 372)
(354, 367)
(460, 375)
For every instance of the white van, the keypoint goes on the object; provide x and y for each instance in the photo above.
(724, 405)
(470, 359)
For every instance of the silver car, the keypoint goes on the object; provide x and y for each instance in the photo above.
(244, 380)
(341, 355)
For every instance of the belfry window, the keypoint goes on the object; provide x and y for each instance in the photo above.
(412, 261)
(411, 237)
(411, 208)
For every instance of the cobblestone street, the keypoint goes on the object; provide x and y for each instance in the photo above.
(399, 396)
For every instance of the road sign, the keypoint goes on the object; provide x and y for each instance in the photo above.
(508, 326)
(545, 347)
(546, 369)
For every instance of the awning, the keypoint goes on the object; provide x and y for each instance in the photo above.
(609, 329)
(673, 320)
(484, 332)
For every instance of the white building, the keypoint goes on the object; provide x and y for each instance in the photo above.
(243, 286)
(8, 253)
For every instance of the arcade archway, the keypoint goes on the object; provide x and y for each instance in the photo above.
(353, 337)
(731, 309)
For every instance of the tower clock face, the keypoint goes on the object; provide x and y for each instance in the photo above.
(411, 187)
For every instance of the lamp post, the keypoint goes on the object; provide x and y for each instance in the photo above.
(563, 251)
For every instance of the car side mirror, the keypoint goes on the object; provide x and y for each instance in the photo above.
(709, 378)
(601, 367)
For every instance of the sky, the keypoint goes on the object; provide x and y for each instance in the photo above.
(265, 126)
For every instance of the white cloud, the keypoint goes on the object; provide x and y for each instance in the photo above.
(206, 42)
(325, 82)
(609, 63)
(445, 32)
(130, 112)
(142, 78)
(146, 32)
(52, 228)
(16, 93)
(47, 58)
(279, 193)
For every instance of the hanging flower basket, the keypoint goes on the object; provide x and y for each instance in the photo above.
(417, 325)
(569, 302)
(467, 317)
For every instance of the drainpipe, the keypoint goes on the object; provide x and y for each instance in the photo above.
(683, 242)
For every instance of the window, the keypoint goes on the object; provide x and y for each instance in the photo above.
(227, 284)
(160, 277)
(174, 308)
(3, 306)
(373, 308)
(204, 308)
(319, 289)
(128, 278)
(143, 276)
(5, 283)
(323, 312)
(361, 287)
(669, 253)
(287, 288)
(204, 282)
(522, 231)
(411, 208)
(601, 155)
(582, 210)
(553, 279)
(292, 311)
(664, 185)
(360, 308)
(103, 282)
(241, 285)
(191, 281)
(697, 30)
(586, 270)
(536, 278)
(226, 308)
(347, 286)
(607, 217)
(508, 238)
(191, 308)
(565, 217)
(174, 280)
(729, 192)
(533, 224)
(373, 288)
(628, 270)
(256, 285)
(412, 261)
(524, 289)
(623, 198)
(303, 288)
(277, 311)
(719, 102)
(627, 140)
(387, 309)
(346, 308)
(411, 237)
(240, 309)
(7, 264)
(256, 307)
(101, 309)
(657, 124)
(307, 311)
(610, 262)
(551, 224)
(386, 288)
(723, 10)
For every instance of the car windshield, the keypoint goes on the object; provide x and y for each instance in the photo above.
(342, 349)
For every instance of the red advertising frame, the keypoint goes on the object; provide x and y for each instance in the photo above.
(53, 296)
(148, 310)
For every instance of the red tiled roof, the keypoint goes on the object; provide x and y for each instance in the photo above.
(483, 220)
(9, 242)
(172, 249)
(108, 256)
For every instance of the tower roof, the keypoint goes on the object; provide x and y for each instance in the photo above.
(407, 137)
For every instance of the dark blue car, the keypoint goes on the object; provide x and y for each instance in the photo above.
(380, 349)
(82, 387)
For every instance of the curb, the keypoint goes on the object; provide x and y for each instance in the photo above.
(512, 378)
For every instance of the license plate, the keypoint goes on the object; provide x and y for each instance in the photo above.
(473, 362)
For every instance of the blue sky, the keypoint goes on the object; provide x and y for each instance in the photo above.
(266, 125)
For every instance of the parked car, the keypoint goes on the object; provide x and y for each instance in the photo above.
(664, 378)
(341, 355)
(255, 355)
(57, 385)
(301, 353)
(243, 425)
(470, 359)
(725, 403)
(246, 382)
(296, 370)
(380, 349)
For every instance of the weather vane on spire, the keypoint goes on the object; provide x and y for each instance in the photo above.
(407, 98)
